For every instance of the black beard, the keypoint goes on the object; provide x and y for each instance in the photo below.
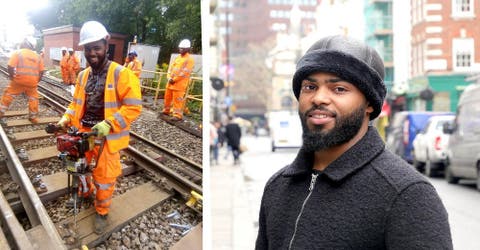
(344, 130)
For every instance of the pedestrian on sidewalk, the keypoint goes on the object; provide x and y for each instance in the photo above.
(213, 144)
(233, 134)
(344, 190)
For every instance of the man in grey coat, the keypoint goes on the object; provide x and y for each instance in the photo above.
(344, 190)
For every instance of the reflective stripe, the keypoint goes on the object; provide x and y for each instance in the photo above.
(131, 101)
(77, 101)
(112, 104)
(119, 118)
(103, 186)
(100, 202)
(80, 77)
(85, 188)
(116, 74)
(116, 136)
(70, 112)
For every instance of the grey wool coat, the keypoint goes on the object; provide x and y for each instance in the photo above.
(368, 198)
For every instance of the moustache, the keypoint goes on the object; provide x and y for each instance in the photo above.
(320, 108)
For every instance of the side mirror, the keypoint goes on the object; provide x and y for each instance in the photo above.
(448, 128)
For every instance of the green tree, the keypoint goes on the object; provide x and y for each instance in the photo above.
(155, 22)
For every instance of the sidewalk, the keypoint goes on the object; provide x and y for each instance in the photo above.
(233, 225)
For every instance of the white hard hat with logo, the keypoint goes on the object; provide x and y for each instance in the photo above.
(92, 31)
(185, 43)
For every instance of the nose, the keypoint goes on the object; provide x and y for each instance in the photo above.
(321, 96)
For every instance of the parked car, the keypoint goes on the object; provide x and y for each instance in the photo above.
(404, 127)
(463, 153)
(429, 146)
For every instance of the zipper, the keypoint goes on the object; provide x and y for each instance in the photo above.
(310, 190)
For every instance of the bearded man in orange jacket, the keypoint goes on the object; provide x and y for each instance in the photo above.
(107, 99)
(178, 78)
(25, 69)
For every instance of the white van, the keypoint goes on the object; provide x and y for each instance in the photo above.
(463, 153)
(285, 129)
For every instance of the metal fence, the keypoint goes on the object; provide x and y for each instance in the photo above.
(156, 86)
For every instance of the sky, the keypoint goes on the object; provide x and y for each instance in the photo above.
(13, 19)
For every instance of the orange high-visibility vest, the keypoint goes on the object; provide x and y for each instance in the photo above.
(28, 66)
(135, 66)
(180, 72)
(123, 104)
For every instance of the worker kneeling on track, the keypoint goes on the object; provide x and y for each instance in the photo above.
(107, 99)
(25, 69)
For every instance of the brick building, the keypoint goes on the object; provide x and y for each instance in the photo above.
(444, 36)
(68, 36)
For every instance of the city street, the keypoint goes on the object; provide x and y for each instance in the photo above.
(237, 190)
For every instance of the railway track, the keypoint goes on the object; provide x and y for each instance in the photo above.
(26, 146)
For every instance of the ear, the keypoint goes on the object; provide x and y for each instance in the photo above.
(369, 109)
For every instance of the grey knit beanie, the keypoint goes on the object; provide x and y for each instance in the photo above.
(350, 60)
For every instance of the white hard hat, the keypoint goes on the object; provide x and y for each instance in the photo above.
(185, 43)
(63, 48)
(31, 41)
(92, 31)
(70, 49)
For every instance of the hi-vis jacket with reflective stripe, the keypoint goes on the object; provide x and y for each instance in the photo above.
(123, 104)
(180, 72)
(28, 66)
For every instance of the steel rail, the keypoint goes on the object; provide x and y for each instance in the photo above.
(34, 208)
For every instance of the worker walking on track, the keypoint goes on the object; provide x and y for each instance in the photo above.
(64, 65)
(73, 66)
(133, 63)
(178, 78)
(107, 99)
(25, 69)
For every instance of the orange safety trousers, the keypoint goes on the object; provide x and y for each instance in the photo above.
(104, 178)
(15, 89)
(177, 97)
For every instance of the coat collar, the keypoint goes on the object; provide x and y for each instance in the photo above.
(352, 160)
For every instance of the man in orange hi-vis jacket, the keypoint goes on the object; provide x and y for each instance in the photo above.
(73, 66)
(178, 78)
(133, 63)
(25, 69)
(64, 65)
(107, 99)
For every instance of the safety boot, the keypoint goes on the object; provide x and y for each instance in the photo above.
(100, 223)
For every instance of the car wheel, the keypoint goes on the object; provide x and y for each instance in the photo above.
(449, 177)
(428, 168)
(478, 176)
(418, 165)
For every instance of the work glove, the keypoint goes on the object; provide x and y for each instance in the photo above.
(102, 128)
(63, 122)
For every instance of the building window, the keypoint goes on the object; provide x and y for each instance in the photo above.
(462, 8)
(463, 59)
(463, 53)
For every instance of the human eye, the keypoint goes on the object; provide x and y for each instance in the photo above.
(340, 89)
(308, 87)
